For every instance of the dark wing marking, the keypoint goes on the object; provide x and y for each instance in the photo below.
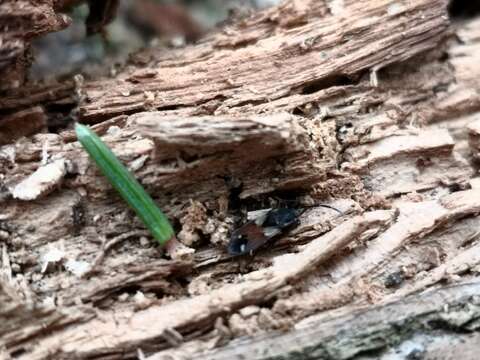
(247, 238)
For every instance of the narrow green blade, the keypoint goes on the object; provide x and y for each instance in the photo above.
(126, 185)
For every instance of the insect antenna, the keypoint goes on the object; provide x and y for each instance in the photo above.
(328, 207)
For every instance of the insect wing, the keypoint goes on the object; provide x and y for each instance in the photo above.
(246, 239)
(259, 216)
(271, 231)
(264, 225)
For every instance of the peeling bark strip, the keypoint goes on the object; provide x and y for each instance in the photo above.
(366, 331)
(424, 142)
(41, 182)
(310, 50)
(426, 158)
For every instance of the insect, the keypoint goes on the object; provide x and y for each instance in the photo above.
(262, 226)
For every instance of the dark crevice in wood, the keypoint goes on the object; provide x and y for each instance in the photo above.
(463, 9)
(325, 83)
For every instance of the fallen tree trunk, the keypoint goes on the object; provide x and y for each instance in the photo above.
(368, 106)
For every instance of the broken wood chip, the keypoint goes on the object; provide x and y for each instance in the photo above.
(41, 182)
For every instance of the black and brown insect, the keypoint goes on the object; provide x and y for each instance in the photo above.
(263, 227)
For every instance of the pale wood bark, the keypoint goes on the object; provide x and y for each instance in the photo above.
(370, 106)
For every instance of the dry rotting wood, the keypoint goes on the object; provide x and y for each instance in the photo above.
(370, 331)
(114, 336)
(226, 146)
(293, 49)
(192, 156)
(25, 319)
(264, 153)
(20, 22)
(23, 106)
(22, 123)
(382, 128)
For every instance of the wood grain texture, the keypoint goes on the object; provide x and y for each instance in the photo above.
(366, 332)
(20, 22)
(369, 106)
(299, 48)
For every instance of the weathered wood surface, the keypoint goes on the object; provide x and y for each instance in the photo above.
(299, 48)
(20, 22)
(370, 106)
(26, 108)
(408, 327)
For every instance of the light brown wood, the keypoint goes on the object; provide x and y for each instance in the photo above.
(297, 48)
(368, 106)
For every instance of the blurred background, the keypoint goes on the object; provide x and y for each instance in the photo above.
(136, 24)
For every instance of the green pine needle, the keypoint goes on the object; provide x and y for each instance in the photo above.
(126, 185)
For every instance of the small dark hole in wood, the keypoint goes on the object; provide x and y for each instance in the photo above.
(17, 353)
(235, 188)
(168, 108)
(325, 83)
(441, 324)
(297, 111)
(189, 157)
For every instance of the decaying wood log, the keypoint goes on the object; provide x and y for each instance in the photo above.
(23, 320)
(369, 106)
(367, 332)
(20, 22)
(199, 311)
(293, 49)
(23, 106)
